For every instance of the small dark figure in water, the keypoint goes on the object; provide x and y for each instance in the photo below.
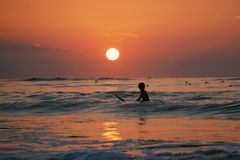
(143, 96)
(188, 83)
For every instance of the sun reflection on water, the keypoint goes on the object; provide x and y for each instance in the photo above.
(110, 131)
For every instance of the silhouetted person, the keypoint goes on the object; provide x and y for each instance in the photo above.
(143, 95)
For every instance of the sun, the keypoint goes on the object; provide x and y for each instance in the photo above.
(112, 54)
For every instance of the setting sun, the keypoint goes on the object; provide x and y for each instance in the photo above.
(119, 79)
(112, 54)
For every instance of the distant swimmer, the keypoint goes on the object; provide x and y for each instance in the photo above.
(188, 83)
(143, 94)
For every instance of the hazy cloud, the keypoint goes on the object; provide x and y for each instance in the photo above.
(21, 60)
(16, 47)
(121, 34)
(18, 60)
(216, 64)
(131, 35)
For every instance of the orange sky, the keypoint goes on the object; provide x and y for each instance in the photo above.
(156, 37)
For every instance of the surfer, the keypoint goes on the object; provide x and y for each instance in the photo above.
(143, 94)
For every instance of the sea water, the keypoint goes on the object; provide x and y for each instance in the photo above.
(82, 119)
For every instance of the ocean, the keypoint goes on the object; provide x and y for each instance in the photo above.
(82, 119)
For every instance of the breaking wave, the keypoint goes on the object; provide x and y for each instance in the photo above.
(71, 79)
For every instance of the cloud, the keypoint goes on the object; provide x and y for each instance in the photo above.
(116, 33)
(218, 63)
(16, 47)
(21, 60)
(131, 35)
(121, 34)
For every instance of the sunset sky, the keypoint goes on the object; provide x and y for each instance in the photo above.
(158, 38)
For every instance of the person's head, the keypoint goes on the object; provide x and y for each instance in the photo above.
(141, 86)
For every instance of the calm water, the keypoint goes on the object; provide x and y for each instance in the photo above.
(81, 119)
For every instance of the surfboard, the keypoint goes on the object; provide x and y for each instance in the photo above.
(121, 99)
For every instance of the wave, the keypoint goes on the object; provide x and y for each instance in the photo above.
(107, 78)
(72, 79)
(231, 79)
(149, 149)
(162, 104)
(156, 109)
(45, 79)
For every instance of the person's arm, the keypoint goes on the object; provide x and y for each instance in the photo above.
(139, 97)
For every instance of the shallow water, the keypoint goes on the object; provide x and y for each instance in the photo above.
(82, 119)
